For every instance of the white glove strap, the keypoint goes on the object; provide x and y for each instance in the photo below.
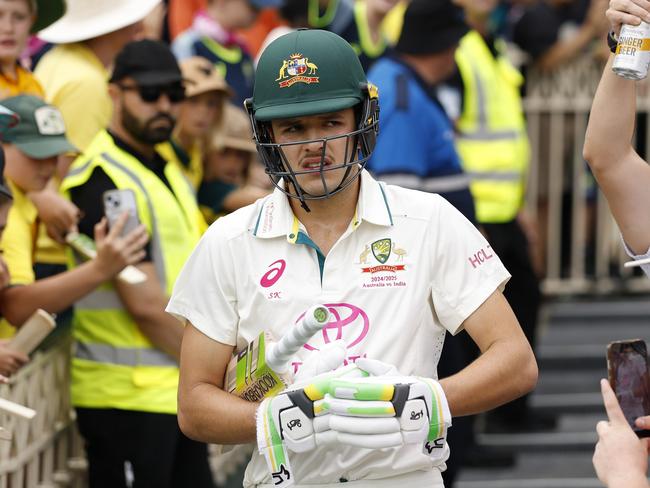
(270, 445)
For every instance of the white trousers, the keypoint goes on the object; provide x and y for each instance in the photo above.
(415, 479)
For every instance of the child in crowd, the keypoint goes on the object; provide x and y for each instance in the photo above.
(10, 361)
(207, 93)
(233, 175)
(19, 18)
(32, 148)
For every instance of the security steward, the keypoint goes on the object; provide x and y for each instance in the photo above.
(125, 368)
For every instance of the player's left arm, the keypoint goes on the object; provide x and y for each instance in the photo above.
(506, 368)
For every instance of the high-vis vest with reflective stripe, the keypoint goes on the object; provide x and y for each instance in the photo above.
(492, 140)
(115, 365)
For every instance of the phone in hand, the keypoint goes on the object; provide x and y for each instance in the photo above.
(627, 368)
(116, 202)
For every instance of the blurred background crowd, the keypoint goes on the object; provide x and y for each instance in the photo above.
(444, 103)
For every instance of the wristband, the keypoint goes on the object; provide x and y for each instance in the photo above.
(612, 41)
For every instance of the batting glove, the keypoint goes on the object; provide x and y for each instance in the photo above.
(295, 420)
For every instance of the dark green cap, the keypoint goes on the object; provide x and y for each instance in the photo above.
(41, 131)
(307, 72)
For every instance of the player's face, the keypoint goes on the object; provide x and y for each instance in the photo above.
(16, 20)
(199, 113)
(307, 156)
(27, 173)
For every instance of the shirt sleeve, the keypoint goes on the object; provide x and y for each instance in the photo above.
(466, 271)
(204, 293)
(17, 245)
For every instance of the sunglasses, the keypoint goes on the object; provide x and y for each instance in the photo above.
(152, 93)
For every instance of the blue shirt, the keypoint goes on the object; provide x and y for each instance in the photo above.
(416, 138)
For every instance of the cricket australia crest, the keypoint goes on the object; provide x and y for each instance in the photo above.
(381, 250)
(297, 69)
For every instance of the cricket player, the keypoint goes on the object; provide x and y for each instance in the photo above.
(397, 268)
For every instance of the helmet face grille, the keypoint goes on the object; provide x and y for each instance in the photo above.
(359, 145)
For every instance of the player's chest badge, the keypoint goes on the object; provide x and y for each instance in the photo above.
(383, 264)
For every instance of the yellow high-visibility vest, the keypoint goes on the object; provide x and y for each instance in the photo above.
(115, 365)
(492, 140)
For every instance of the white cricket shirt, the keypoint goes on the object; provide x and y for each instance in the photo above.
(408, 268)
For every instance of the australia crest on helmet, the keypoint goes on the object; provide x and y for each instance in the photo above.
(297, 68)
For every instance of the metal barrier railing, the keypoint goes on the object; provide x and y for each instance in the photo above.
(579, 248)
(44, 451)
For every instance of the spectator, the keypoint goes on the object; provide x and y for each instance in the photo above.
(201, 112)
(10, 361)
(554, 32)
(32, 147)
(623, 176)
(493, 145)
(415, 146)
(74, 76)
(17, 19)
(620, 457)
(231, 157)
(358, 22)
(74, 73)
(213, 36)
(181, 15)
(125, 369)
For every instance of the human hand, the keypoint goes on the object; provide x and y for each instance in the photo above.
(115, 252)
(389, 411)
(328, 358)
(627, 12)
(620, 456)
(59, 215)
(10, 360)
(295, 420)
(5, 277)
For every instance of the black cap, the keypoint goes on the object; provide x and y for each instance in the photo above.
(430, 27)
(148, 63)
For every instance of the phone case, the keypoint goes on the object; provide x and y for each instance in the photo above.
(627, 369)
(116, 202)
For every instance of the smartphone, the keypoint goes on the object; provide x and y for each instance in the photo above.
(116, 202)
(627, 368)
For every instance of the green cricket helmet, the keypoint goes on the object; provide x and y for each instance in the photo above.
(311, 72)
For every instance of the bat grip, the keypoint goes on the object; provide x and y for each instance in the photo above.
(279, 354)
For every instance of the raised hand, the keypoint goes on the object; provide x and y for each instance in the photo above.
(620, 457)
(115, 252)
(627, 12)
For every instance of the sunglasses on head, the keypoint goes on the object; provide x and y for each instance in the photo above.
(151, 93)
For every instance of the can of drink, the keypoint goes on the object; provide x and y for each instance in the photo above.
(633, 52)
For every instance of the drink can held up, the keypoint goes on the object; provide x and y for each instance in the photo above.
(633, 52)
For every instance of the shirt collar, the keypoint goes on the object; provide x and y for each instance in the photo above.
(276, 218)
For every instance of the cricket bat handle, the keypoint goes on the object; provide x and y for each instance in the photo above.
(279, 354)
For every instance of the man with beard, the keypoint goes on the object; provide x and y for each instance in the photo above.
(125, 369)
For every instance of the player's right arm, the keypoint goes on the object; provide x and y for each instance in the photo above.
(206, 412)
(621, 173)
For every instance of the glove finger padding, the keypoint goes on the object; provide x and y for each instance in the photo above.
(285, 422)
(357, 406)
